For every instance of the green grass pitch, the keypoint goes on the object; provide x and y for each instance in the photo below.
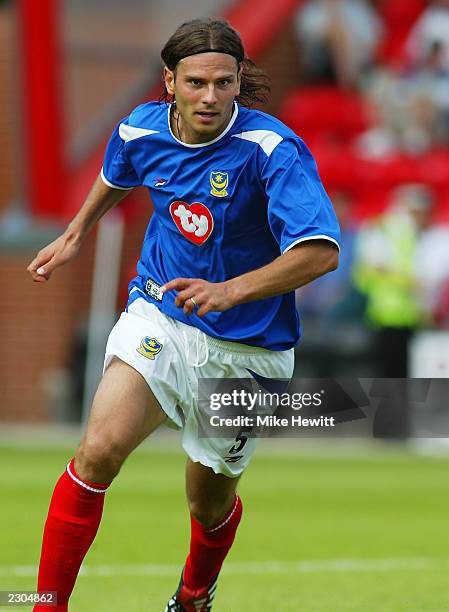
(366, 532)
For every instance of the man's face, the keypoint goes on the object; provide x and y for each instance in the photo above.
(205, 86)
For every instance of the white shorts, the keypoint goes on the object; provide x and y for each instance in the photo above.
(172, 356)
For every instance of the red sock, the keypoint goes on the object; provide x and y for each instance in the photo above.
(209, 547)
(72, 523)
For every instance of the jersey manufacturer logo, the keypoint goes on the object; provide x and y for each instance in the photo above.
(219, 182)
(150, 347)
(159, 182)
(194, 221)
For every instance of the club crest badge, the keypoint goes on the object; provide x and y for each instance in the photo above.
(219, 183)
(150, 347)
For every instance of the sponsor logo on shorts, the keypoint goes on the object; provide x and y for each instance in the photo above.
(233, 459)
(219, 182)
(150, 347)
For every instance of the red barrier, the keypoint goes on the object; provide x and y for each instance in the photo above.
(260, 22)
(38, 27)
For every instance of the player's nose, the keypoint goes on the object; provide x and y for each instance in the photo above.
(210, 96)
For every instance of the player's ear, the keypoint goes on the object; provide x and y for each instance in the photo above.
(169, 80)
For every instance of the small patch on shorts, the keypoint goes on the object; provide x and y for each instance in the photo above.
(150, 347)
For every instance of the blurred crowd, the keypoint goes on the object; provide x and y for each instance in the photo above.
(396, 52)
(378, 73)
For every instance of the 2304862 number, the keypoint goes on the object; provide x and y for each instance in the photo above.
(20, 598)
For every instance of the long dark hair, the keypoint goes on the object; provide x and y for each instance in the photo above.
(204, 35)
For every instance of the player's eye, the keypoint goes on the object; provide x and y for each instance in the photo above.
(224, 82)
(195, 82)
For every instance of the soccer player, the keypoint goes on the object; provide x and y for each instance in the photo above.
(240, 221)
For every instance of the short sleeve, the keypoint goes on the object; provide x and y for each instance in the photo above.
(117, 171)
(298, 207)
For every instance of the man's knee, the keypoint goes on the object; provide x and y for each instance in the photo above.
(210, 512)
(99, 459)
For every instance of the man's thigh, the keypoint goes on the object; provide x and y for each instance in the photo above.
(150, 342)
(124, 410)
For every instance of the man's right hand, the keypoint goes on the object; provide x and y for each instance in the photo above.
(57, 253)
(100, 199)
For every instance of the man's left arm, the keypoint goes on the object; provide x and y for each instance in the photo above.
(298, 266)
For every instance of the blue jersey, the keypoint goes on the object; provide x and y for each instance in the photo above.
(221, 209)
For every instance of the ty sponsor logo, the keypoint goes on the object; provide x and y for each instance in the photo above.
(219, 183)
(194, 221)
(150, 347)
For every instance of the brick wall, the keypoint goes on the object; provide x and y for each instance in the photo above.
(37, 328)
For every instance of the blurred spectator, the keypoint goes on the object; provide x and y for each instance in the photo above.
(337, 39)
(430, 83)
(430, 29)
(410, 111)
(386, 256)
(432, 271)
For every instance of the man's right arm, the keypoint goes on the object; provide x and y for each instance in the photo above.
(100, 200)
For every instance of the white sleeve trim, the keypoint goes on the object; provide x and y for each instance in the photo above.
(306, 238)
(128, 132)
(266, 139)
(109, 184)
